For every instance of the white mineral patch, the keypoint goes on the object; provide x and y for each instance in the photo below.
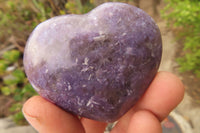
(129, 51)
(84, 86)
(110, 14)
(46, 71)
(53, 25)
(79, 101)
(36, 88)
(91, 102)
(119, 20)
(129, 92)
(124, 34)
(69, 86)
(85, 69)
(100, 38)
(86, 61)
(90, 77)
(143, 24)
(48, 38)
(76, 60)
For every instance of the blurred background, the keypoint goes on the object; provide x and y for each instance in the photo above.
(178, 20)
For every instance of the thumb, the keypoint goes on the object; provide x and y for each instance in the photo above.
(45, 117)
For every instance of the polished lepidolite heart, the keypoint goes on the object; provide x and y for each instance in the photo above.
(95, 65)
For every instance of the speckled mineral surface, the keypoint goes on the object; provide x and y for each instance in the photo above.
(95, 65)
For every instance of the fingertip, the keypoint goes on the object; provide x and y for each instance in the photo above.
(144, 122)
(31, 113)
(163, 95)
(179, 84)
(174, 82)
(28, 107)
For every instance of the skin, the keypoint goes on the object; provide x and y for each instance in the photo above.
(163, 95)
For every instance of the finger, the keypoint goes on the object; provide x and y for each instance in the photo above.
(92, 126)
(144, 122)
(45, 117)
(165, 93)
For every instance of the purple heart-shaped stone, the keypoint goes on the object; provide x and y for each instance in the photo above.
(95, 65)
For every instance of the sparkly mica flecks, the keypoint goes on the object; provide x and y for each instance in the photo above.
(95, 65)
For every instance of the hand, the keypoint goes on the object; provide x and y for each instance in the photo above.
(163, 95)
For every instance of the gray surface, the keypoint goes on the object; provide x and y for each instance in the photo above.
(8, 126)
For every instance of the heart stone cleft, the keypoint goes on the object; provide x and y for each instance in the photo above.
(95, 65)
